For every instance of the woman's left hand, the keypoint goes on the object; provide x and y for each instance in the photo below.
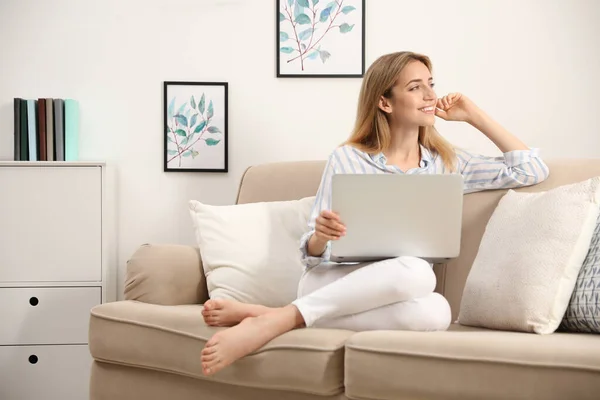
(455, 107)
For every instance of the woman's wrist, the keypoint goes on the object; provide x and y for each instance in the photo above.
(316, 247)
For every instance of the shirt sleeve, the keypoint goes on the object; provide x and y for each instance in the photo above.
(517, 168)
(322, 202)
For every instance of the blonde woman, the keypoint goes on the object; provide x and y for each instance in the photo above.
(393, 134)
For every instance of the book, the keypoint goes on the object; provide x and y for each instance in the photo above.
(46, 129)
(71, 123)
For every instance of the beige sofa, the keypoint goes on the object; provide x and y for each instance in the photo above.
(148, 346)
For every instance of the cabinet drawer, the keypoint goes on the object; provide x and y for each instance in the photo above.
(46, 315)
(51, 224)
(44, 372)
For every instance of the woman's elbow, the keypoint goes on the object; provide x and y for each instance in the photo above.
(542, 171)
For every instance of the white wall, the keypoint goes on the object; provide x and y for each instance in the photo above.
(532, 64)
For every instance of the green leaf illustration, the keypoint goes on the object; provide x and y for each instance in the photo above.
(187, 153)
(324, 55)
(172, 152)
(303, 3)
(210, 111)
(314, 54)
(281, 17)
(200, 127)
(298, 9)
(185, 141)
(303, 19)
(193, 120)
(181, 119)
(213, 129)
(201, 105)
(315, 2)
(212, 142)
(286, 50)
(181, 109)
(348, 9)
(283, 36)
(170, 140)
(181, 132)
(171, 109)
(305, 34)
(193, 103)
(194, 153)
(344, 28)
(290, 2)
(325, 14)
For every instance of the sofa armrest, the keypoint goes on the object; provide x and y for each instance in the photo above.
(166, 274)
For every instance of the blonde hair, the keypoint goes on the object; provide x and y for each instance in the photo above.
(371, 131)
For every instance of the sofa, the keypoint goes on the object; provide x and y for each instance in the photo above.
(148, 345)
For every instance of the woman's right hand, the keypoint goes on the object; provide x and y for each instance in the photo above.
(328, 226)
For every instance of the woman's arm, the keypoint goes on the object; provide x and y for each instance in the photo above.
(315, 251)
(458, 107)
(518, 166)
(502, 138)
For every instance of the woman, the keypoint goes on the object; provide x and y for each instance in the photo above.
(393, 133)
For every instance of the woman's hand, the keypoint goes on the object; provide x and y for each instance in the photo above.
(329, 227)
(455, 107)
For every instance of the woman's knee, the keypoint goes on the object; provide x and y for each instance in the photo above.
(436, 311)
(416, 272)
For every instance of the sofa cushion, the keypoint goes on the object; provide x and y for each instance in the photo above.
(472, 363)
(170, 338)
(251, 252)
(530, 255)
(583, 313)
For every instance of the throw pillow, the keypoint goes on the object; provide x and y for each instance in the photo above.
(251, 252)
(583, 313)
(530, 255)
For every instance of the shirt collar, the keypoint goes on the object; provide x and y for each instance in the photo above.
(426, 157)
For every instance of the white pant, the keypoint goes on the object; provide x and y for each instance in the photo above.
(395, 294)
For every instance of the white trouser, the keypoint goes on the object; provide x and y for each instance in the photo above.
(394, 294)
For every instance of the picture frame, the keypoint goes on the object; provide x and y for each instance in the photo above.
(320, 38)
(195, 129)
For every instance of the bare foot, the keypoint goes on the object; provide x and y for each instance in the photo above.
(251, 334)
(225, 312)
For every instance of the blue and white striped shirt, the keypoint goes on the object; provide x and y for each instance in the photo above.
(511, 170)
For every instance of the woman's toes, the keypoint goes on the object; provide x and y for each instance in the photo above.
(210, 364)
(208, 358)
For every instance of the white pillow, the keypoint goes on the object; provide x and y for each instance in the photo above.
(251, 252)
(529, 258)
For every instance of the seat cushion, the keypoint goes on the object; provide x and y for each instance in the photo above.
(472, 363)
(170, 338)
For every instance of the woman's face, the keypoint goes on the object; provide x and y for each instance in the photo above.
(413, 100)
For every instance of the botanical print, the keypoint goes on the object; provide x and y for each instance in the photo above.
(195, 126)
(320, 37)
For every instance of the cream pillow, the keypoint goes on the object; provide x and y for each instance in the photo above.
(529, 258)
(251, 252)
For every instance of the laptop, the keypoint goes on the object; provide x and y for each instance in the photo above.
(393, 215)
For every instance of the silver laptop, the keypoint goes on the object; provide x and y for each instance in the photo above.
(392, 215)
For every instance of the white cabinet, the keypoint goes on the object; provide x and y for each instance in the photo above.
(53, 270)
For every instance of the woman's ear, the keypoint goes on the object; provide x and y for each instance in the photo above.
(384, 105)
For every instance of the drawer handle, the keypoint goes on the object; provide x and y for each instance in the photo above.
(33, 301)
(33, 359)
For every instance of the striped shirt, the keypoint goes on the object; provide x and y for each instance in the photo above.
(513, 169)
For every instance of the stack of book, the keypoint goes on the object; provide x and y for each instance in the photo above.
(46, 129)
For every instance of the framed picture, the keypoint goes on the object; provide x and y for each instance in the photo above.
(195, 126)
(320, 38)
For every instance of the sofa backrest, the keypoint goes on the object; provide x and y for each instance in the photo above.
(295, 180)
